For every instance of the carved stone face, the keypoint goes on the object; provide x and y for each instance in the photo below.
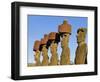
(53, 48)
(44, 50)
(65, 40)
(80, 37)
(37, 55)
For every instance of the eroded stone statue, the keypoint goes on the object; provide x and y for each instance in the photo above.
(37, 53)
(65, 55)
(65, 31)
(37, 58)
(81, 51)
(54, 57)
(45, 60)
(54, 39)
(44, 51)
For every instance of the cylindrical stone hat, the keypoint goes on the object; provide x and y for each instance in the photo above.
(46, 37)
(65, 27)
(44, 40)
(52, 36)
(36, 45)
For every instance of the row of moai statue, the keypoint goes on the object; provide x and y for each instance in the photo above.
(51, 41)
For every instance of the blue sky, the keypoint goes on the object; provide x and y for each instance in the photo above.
(39, 25)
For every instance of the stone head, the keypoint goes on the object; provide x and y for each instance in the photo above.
(65, 40)
(81, 35)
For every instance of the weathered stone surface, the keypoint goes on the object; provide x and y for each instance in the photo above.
(65, 55)
(81, 54)
(54, 54)
(45, 60)
(37, 58)
(81, 51)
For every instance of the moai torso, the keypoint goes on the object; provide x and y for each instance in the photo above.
(45, 55)
(37, 58)
(81, 51)
(81, 54)
(54, 57)
(37, 52)
(65, 55)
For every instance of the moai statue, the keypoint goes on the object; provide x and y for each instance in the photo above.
(65, 32)
(44, 51)
(37, 53)
(53, 48)
(81, 51)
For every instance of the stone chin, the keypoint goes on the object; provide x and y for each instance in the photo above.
(80, 41)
